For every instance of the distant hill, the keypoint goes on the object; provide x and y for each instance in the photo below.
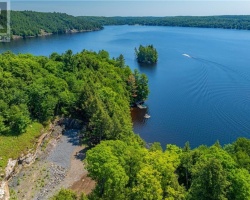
(29, 24)
(226, 22)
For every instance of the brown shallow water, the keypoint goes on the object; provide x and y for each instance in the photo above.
(138, 118)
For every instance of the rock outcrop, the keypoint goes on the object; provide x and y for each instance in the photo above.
(4, 191)
(14, 166)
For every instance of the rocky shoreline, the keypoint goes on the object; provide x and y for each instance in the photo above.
(44, 34)
(14, 166)
(56, 163)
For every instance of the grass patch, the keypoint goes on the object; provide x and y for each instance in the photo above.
(13, 195)
(14, 146)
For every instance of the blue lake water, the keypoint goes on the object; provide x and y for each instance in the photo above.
(200, 99)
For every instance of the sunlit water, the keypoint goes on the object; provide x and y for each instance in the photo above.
(200, 98)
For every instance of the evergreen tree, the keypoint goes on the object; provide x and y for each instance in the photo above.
(147, 54)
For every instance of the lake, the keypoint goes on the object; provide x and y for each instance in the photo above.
(198, 98)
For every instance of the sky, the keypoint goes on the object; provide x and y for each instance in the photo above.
(136, 8)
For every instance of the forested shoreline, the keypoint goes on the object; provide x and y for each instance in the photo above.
(227, 22)
(88, 86)
(32, 24)
(98, 90)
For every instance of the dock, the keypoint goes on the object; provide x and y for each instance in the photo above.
(141, 106)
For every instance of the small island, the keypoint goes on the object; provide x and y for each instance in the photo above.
(146, 54)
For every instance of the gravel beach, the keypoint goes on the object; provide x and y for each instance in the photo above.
(58, 165)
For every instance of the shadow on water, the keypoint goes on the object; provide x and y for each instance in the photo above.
(147, 68)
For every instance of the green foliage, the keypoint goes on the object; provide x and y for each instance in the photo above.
(18, 118)
(184, 169)
(148, 185)
(142, 174)
(30, 23)
(240, 151)
(226, 22)
(240, 184)
(156, 146)
(203, 173)
(83, 197)
(107, 171)
(68, 194)
(209, 180)
(88, 85)
(138, 87)
(13, 195)
(99, 90)
(121, 61)
(65, 194)
(12, 146)
(212, 174)
(147, 54)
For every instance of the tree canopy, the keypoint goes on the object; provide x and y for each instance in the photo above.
(130, 171)
(99, 90)
(241, 22)
(30, 23)
(146, 54)
(88, 85)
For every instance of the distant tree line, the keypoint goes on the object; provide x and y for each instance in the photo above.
(30, 23)
(226, 22)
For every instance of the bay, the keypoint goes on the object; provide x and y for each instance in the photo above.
(198, 98)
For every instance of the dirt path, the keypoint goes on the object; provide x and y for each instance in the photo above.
(76, 178)
(59, 165)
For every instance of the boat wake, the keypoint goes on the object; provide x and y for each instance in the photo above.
(187, 55)
(223, 67)
(219, 65)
